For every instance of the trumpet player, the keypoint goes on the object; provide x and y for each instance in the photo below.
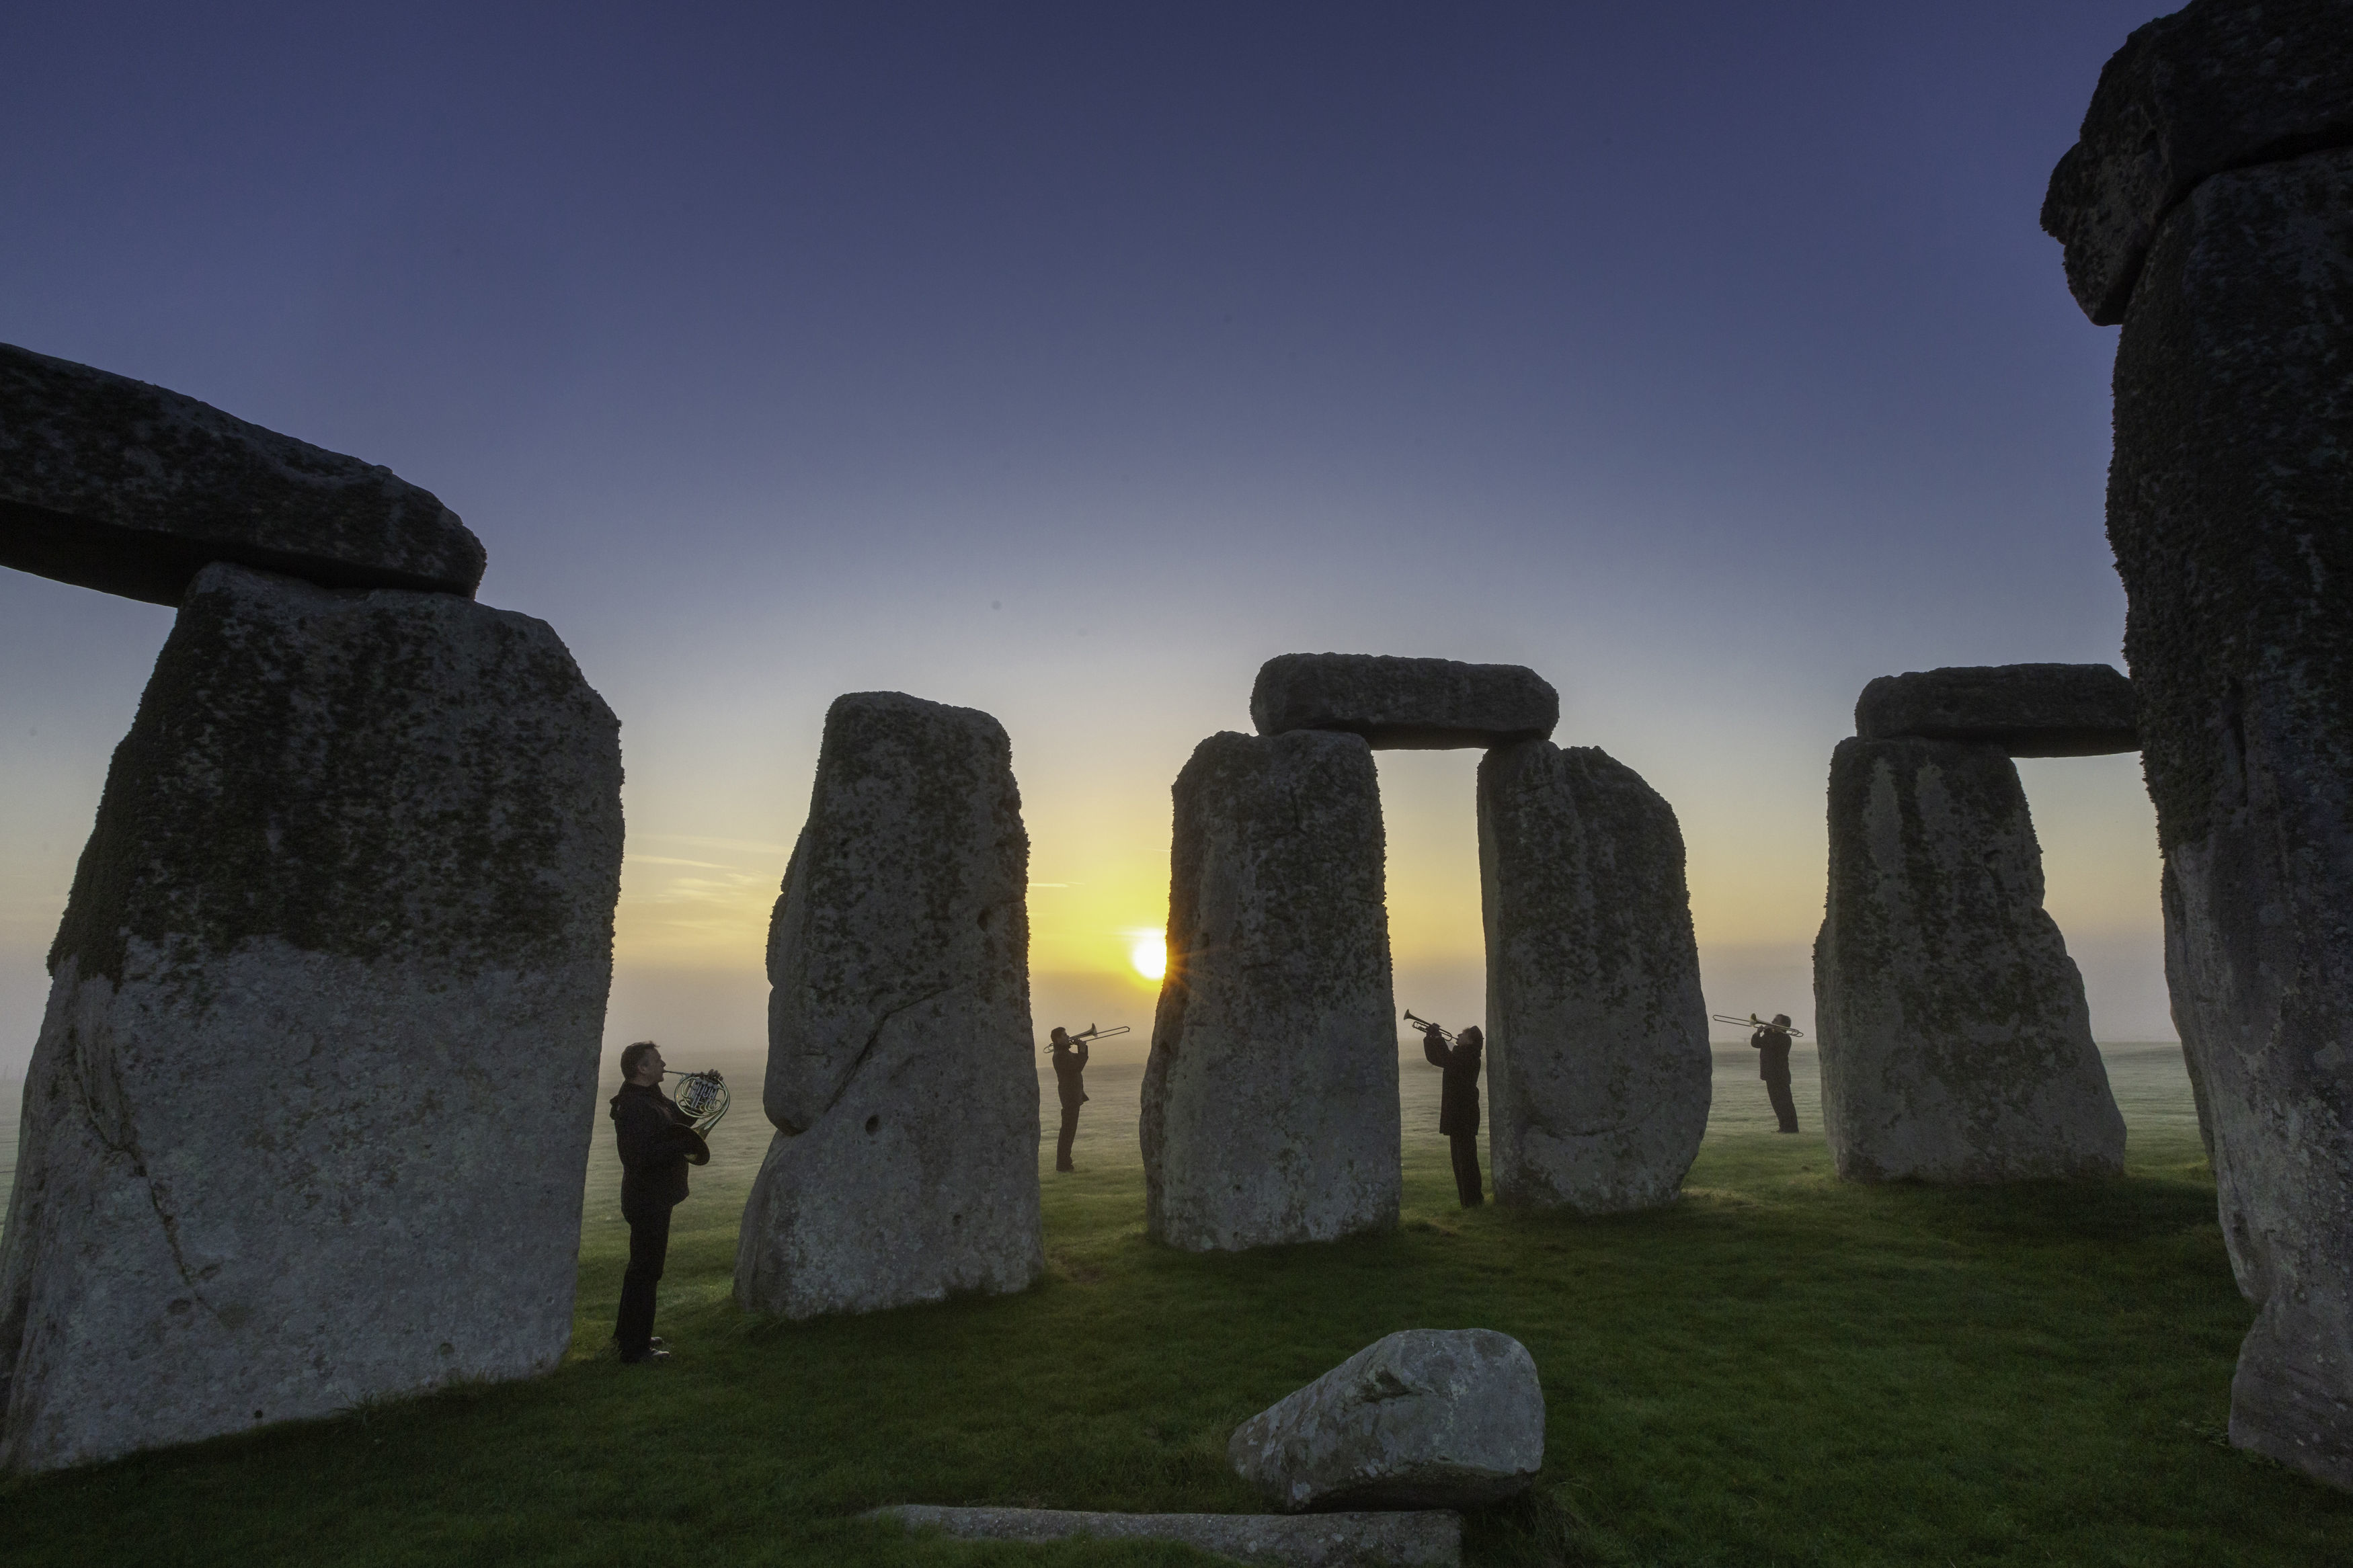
(657, 1145)
(1457, 1105)
(1070, 1060)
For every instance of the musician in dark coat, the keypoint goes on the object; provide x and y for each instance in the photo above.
(1457, 1105)
(658, 1143)
(1773, 1066)
(1069, 1069)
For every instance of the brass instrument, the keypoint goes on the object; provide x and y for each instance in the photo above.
(702, 1096)
(1445, 1036)
(1093, 1032)
(1754, 1021)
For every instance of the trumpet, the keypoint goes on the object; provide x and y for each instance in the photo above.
(703, 1096)
(1754, 1021)
(1445, 1036)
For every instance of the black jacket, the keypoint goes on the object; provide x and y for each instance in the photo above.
(657, 1145)
(1068, 1068)
(1774, 1061)
(1457, 1105)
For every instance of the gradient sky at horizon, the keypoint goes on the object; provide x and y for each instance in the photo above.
(1069, 361)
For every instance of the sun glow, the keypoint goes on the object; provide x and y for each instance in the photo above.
(1150, 955)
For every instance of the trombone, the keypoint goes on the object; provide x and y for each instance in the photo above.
(1445, 1036)
(1754, 1021)
(1093, 1033)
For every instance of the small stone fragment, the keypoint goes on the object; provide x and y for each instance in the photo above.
(2217, 85)
(1423, 1418)
(308, 1120)
(900, 1079)
(112, 484)
(1430, 1537)
(2027, 710)
(1270, 1096)
(1956, 1046)
(1403, 704)
(1598, 1061)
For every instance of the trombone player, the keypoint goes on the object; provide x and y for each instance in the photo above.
(1773, 1066)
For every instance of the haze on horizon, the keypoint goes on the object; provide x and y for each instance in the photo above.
(1068, 362)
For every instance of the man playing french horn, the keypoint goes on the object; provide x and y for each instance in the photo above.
(657, 1143)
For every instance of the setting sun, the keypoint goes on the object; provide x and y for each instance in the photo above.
(1150, 955)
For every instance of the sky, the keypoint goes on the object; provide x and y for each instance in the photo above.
(1069, 362)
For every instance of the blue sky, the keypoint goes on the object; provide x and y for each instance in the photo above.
(1069, 360)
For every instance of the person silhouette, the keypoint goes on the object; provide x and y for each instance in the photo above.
(1457, 1105)
(1773, 1067)
(1069, 1069)
(657, 1145)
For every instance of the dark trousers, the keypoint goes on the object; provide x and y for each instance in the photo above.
(1467, 1184)
(1070, 1130)
(1777, 1089)
(648, 1248)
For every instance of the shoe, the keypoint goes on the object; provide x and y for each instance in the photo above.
(641, 1360)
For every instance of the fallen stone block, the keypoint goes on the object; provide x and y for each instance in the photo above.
(1423, 1539)
(1403, 704)
(1270, 1101)
(1598, 1062)
(2217, 85)
(112, 484)
(1956, 1044)
(1423, 1418)
(308, 1118)
(900, 1078)
(2027, 710)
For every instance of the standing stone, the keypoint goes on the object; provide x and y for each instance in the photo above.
(2208, 207)
(900, 1077)
(2231, 508)
(2217, 85)
(1403, 704)
(122, 486)
(1956, 1046)
(1599, 1068)
(308, 1120)
(1270, 1097)
(1422, 1419)
(2027, 710)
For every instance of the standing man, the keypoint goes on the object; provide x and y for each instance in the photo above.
(1069, 1072)
(1457, 1105)
(657, 1145)
(1773, 1067)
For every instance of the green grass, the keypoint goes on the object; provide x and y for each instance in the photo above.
(1783, 1369)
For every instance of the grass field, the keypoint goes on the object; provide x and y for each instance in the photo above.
(1783, 1369)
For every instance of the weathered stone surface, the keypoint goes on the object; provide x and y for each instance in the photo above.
(122, 486)
(1403, 704)
(1270, 1096)
(308, 1116)
(2027, 710)
(2217, 85)
(2231, 508)
(1956, 1046)
(1422, 1538)
(1598, 1063)
(1425, 1418)
(905, 1162)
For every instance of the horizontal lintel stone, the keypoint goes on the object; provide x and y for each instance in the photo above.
(1404, 704)
(112, 484)
(2028, 710)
